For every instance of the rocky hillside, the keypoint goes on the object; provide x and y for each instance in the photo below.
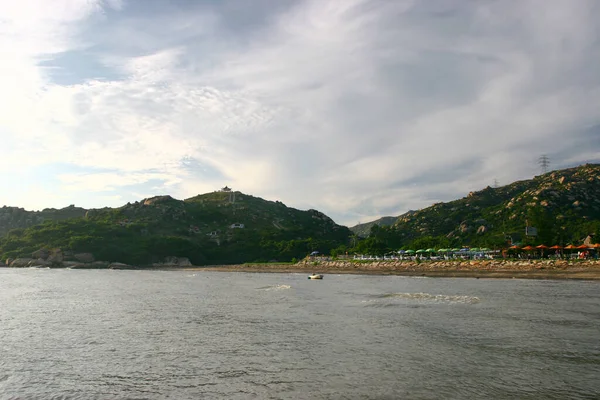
(563, 205)
(218, 227)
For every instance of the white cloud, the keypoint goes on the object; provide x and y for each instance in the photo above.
(357, 108)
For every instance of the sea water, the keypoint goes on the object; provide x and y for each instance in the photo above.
(103, 334)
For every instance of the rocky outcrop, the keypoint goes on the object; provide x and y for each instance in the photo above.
(84, 257)
(41, 253)
(174, 262)
(21, 262)
(117, 265)
(56, 256)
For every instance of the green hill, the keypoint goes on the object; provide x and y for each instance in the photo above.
(563, 205)
(14, 217)
(363, 230)
(213, 228)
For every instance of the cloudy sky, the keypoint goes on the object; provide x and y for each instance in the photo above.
(358, 108)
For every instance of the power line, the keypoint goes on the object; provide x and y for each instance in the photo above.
(544, 163)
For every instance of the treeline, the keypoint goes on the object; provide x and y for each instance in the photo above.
(136, 244)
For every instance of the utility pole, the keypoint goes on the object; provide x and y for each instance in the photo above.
(544, 163)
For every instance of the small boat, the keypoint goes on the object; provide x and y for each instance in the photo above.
(315, 276)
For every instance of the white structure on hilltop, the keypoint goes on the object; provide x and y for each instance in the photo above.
(238, 226)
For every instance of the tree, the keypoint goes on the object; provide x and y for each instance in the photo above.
(545, 223)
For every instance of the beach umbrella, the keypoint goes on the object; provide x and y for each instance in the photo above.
(455, 250)
(528, 248)
(430, 250)
(596, 246)
(475, 249)
(583, 247)
(542, 247)
(514, 247)
(442, 250)
(556, 247)
(570, 247)
(484, 249)
(420, 251)
(409, 251)
(401, 251)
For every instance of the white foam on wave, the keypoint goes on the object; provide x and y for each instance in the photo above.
(427, 297)
(275, 287)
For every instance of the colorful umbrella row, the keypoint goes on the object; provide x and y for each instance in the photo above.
(556, 247)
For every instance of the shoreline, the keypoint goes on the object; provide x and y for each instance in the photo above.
(542, 269)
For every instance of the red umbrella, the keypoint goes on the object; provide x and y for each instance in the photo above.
(556, 247)
(528, 248)
(583, 247)
(570, 247)
(514, 247)
(541, 246)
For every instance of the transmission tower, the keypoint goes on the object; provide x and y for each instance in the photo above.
(544, 163)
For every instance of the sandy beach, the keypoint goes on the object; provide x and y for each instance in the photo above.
(533, 269)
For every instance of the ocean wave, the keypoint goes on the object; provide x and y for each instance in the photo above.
(427, 297)
(274, 287)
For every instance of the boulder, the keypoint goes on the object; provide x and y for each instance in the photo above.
(41, 253)
(84, 257)
(184, 262)
(99, 264)
(117, 265)
(40, 262)
(74, 264)
(176, 261)
(20, 262)
(56, 255)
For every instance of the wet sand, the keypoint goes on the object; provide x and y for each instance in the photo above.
(535, 269)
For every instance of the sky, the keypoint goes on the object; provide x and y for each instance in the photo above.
(356, 108)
